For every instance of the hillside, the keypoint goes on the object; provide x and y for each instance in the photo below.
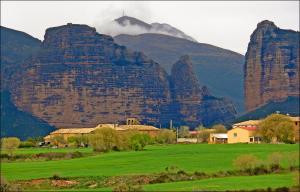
(16, 123)
(219, 69)
(289, 106)
(17, 46)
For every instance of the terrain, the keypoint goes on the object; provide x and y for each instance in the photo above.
(190, 158)
(17, 46)
(219, 69)
(272, 65)
(80, 78)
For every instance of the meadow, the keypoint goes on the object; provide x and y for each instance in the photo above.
(154, 159)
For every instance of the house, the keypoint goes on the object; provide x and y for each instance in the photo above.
(151, 130)
(246, 131)
(243, 135)
(218, 138)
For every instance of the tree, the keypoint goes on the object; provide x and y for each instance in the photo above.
(166, 136)
(276, 128)
(78, 141)
(57, 139)
(184, 131)
(219, 128)
(138, 141)
(103, 139)
(10, 144)
(202, 134)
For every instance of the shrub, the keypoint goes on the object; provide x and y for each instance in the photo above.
(5, 186)
(26, 144)
(10, 144)
(138, 141)
(166, 136)
(293, 159)
(244, 162)
(103, 139)
(274, 159)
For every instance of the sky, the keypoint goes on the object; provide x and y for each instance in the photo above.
(226, 24)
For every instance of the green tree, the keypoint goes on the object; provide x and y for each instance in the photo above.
(104, 139)
(276, 128)
(10, 144)
(138, 141)
(184, 131)
(219, 128)
(57, 140)
(165, 136)
(78, 141)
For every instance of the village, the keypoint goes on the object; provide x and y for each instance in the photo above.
(242, 132)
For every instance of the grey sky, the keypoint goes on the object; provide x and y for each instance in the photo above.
(225, 24)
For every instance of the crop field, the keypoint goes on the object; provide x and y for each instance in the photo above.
(154, 159)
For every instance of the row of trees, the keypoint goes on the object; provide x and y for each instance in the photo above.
(107, 139)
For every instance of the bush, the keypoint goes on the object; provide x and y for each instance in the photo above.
(274, 159)
(78, 141)
(138, 141)
(104, 139)
(166, 136)
(26, 144)
(245, 162)
(10, 144)
(58, 140)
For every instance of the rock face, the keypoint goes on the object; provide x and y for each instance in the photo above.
(272, 65)
(80, 78)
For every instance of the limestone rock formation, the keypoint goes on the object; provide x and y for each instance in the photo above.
(272, 65)
(196, 105)
(80, 78)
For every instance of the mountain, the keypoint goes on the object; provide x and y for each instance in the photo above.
(16, 123)
(80, 78)
(289, 106)
(132, 25)
(219, 69)
(272, 65)
(16, 46)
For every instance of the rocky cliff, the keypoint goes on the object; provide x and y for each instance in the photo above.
(272, 65)
(80, 78)
(195, 104)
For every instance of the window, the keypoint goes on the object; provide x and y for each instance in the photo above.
(251, 139)
(234, 134)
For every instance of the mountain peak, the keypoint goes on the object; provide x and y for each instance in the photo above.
(126, 20)
(133, 25)
(266, 24)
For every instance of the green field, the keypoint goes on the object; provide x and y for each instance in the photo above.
(228, 183)
(47, 150)
(154, 159)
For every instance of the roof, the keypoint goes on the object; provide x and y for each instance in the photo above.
(139, 127)
(219, 135)
(73, 130)
(249, 128)
(247, 123)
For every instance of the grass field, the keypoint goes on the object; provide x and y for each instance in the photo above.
(47, 150)
(200, 157)
(228, 183)
(218, 184)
